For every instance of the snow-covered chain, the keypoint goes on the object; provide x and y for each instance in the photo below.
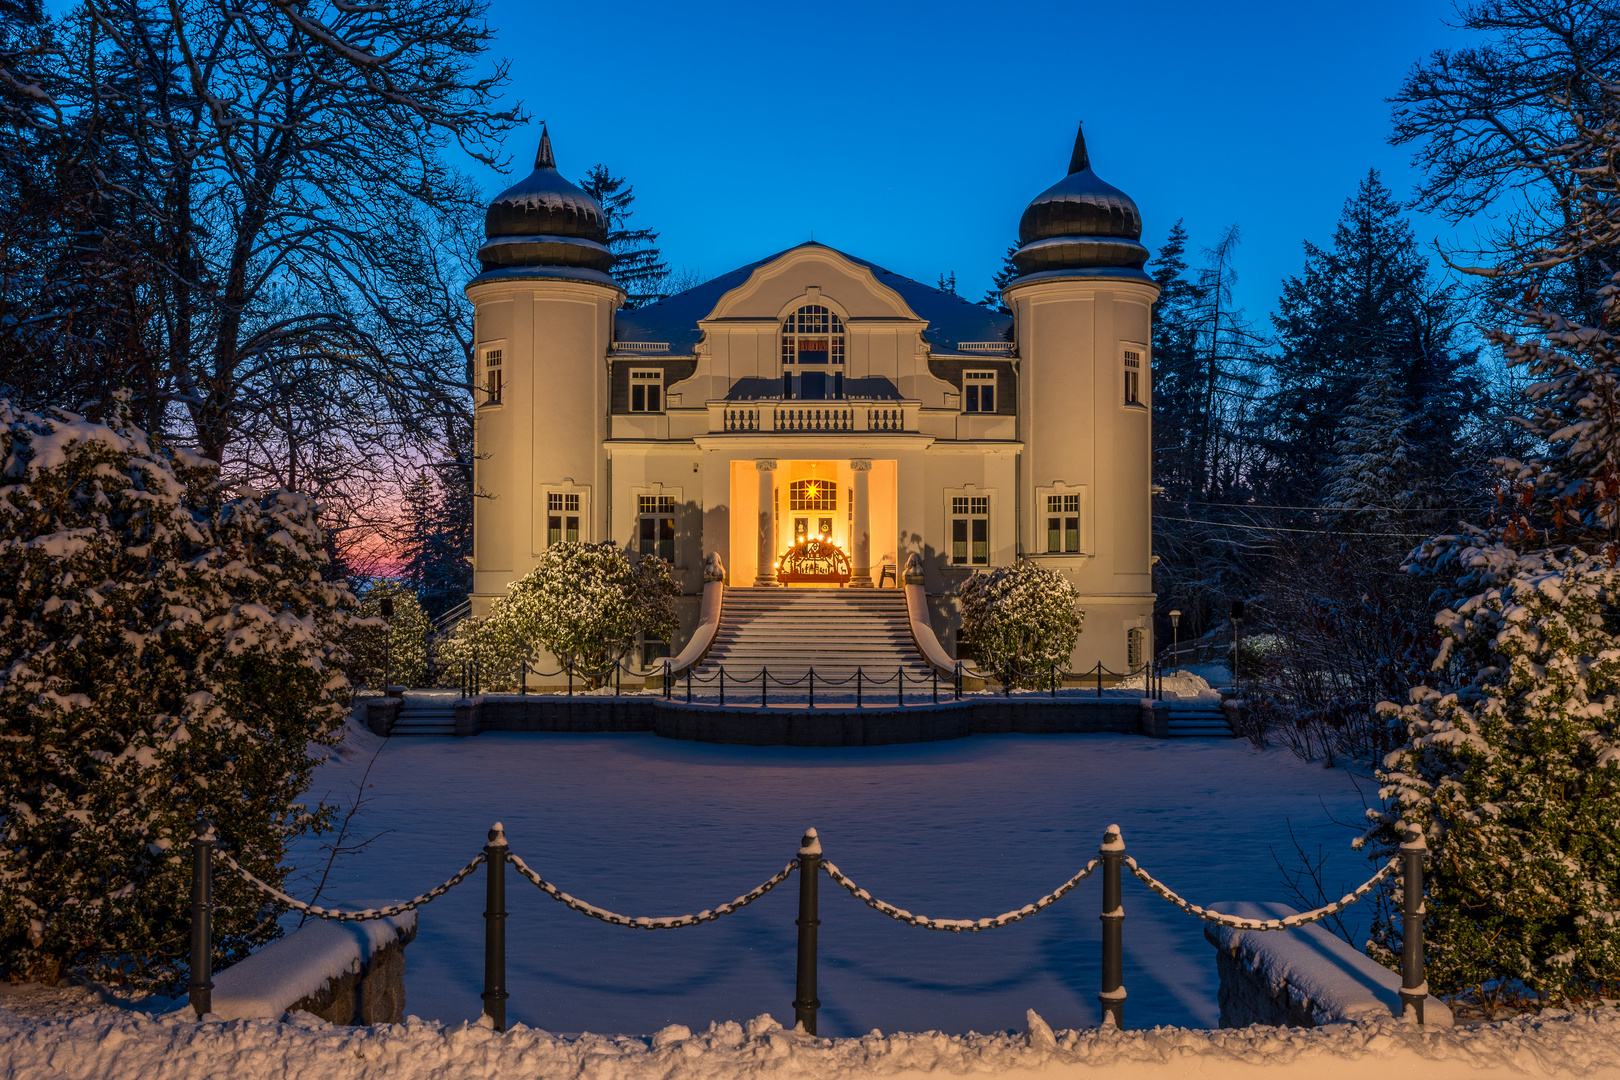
(1301, 919)
(666, 922)
(350, 916)
(957, 926)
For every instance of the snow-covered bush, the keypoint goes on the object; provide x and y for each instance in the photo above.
(1513, 761)
(494, 642)
(1020, 620)
(586, 603)
(401, 643)
(166, 653)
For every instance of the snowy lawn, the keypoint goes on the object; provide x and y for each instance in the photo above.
(967, 828)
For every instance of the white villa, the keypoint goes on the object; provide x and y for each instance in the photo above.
(815, 420)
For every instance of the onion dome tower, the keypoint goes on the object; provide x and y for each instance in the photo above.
(543, 311)
(544, 220)
(1081, 223)
(1083, 308)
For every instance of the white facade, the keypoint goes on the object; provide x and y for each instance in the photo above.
(928, 426)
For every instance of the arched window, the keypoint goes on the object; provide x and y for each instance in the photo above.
(812, 350)
(813, 495)
(812, 335)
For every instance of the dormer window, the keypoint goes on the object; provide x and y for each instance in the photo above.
(813, 354)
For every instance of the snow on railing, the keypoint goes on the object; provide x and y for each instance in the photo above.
(809, 863)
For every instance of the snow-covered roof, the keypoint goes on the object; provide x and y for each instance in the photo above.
(951, 319)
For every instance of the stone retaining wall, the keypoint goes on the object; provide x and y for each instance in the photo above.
(818, 727)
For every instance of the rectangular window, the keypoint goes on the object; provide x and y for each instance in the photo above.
(1063, 524)
(656, 524)
(492, 377)
(647, 391)
(1133, 377)
(653, 650)
(562, 518)
(979, 391)
(970, 530)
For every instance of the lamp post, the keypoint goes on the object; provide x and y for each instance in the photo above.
(1237, 637)
(1175, 636)
(387, 609)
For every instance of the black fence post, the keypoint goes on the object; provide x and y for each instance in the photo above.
(763, 675)
(570, 667)
(202, 919)
(618, 679)
(900, 686)
(1112, 997)
(523, 686)
(806, 1004)
(494, 994)
(935, 669)
(1052, 674)
(812, 688)
(689, 685)
(857, 688)
(958, 680)
(1414, 982)
(722, 684)
(1099, 678)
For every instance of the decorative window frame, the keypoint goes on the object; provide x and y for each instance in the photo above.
(482, 399)
(1088, 521)
(837, 358)
(654, 491)
(542, 512)
(1144, 375)
(977, 375)
(971, 491)
(658, 378)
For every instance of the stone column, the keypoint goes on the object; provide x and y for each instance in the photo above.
(861, 541)
(767, 521)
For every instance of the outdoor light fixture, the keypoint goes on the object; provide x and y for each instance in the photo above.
(1175, 636)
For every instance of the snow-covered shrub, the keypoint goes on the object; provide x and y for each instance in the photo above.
(494, 642)
(1516, 780)
(586, 603)
(1020, 620)
(166, 653)
(401, 642)
(1513, 761)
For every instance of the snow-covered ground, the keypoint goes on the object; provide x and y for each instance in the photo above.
(964, 829)
(125, 1046)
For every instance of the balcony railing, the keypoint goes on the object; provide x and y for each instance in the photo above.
(812, 417)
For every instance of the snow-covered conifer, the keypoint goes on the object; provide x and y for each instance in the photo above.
(1513, 761)
(1020, 620)
(166, 654)
(1375, 459)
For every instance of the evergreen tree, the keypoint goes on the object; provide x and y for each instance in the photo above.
(1008, 271)
(438, 540)
(1373, 461)
(638, 264)
(169, 651)
(1176, 398)
(1366, 304)
(1513, 762)
(947, 283)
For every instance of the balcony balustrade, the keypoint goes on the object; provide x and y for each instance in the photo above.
(812, 417)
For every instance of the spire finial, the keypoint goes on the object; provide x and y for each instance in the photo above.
(1080, 160)
(543, 158)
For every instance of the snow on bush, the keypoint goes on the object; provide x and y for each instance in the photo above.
(1513, 761)
(1020, 620)
(401, 643)
(166, 652)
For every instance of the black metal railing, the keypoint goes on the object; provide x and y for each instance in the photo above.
(861, 681)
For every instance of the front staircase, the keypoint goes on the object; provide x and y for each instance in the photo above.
(427, 712)
(835, 631)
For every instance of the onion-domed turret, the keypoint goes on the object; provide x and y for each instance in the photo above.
(1081, 223)
(543, 220)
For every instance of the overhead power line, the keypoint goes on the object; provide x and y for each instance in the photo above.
(1279, 528)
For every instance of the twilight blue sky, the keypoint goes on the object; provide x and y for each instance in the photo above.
(914, 134)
